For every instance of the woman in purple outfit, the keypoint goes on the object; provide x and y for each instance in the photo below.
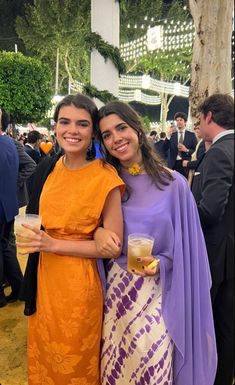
(158, 324)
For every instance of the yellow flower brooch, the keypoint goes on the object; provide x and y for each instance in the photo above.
(135, 169)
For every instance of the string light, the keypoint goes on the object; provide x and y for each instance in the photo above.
(130, 89)
(147, 82)
(173, 37)
(138, 96)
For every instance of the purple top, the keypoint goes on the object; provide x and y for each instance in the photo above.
(171, 217)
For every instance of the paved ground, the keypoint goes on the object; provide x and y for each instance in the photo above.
(13, 325)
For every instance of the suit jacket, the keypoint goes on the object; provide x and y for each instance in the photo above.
(160, 149)
(213, 189)
(34, 154)
(192, 165)
(9, 166)
(190, 141)
(26, 169)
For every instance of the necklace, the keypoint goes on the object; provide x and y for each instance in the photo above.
(135, 169)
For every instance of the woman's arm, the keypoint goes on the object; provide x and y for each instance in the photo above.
(112, 218)
(107, 239)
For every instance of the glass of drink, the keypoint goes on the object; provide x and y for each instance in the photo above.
(20, 231)
(139, 245)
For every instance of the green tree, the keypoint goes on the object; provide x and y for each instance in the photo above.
(8, 14)
(137, 16)
(146, 123)
(163, 64)
(168, 67)
(141, 11)
(25, 87)
(49, 25)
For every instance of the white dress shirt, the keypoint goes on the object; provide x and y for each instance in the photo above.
(221, 134)
(179, 133)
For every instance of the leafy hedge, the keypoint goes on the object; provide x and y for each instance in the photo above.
(25, 87)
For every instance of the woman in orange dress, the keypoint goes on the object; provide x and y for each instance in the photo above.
(78, 194)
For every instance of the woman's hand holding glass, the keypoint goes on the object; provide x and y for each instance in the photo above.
(38, 240)
(153, 267)
(108, 246)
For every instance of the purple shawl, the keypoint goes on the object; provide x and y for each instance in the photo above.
(171, 217)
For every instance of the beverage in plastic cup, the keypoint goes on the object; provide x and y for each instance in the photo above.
(30, 219)
(139, 245)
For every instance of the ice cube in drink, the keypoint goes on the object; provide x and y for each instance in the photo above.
(31, 219)
(139, 245)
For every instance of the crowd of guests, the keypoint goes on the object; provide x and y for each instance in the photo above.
(180, 148)
(17, 173)
(91, 321)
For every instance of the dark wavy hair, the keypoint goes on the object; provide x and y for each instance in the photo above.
(181, 115)
(84, 102)
(33, 136)
(222, 108)
(153, 164)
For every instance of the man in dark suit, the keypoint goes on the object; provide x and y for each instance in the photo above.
(27, 167)
(32, 145)
(180, 145)
(9, 165)
(160, 146)
(32, 149)
(26, 164)
(213, 189)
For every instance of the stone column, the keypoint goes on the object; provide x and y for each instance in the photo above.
(105, 21)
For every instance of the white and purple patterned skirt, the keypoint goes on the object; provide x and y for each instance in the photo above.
(136, 347)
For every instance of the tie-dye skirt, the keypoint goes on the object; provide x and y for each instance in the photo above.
(136, 347)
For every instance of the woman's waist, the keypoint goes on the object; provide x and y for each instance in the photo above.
(69, 235)
(69, 271)
(65, 262)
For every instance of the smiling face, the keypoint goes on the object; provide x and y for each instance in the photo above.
(74, 130)
(120, 140)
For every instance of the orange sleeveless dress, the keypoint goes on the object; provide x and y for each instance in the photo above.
(64, 334)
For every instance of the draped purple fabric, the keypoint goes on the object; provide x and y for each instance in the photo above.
(171, 217)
